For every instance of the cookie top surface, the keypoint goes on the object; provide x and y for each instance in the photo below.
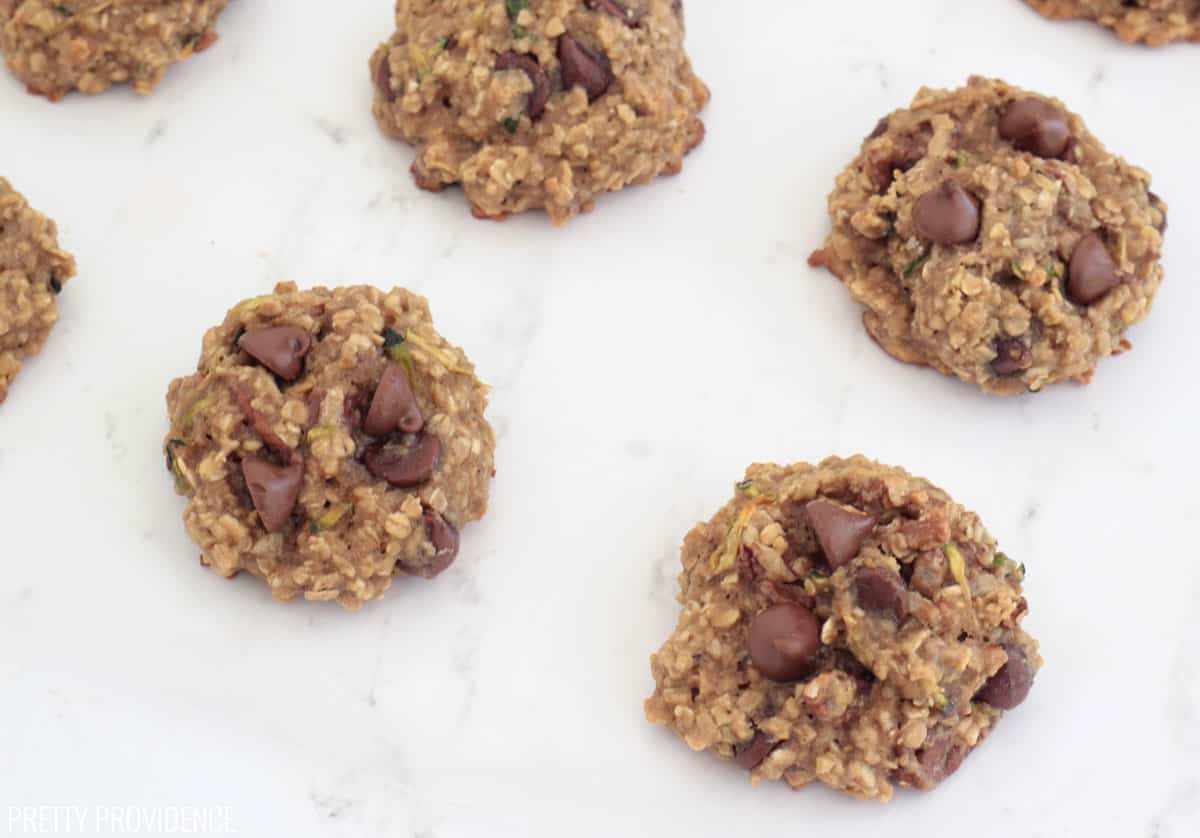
(56, 47)
(846, 623)
(328, 440)
(1154, 22)
(989, 235)
(33, 271)
(539, 103)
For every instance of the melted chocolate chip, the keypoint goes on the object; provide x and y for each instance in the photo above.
(393, 405)
(1092, 272)
(882, 591)
(281, 349)
(1011, 684)
(1012, 356)
(383, 78)
(880, 128)
(1035, 126)
(273, 489)
(947, 215)
(243, 398)
(939, 760)
(749, 755)
(583, 68)
(536, 105)
(784, 640)
(404, 467)
(840, 532)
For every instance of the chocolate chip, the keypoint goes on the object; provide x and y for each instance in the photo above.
(383, 77)
(881, 590)
(537, 77)
(273, 489)
(784, 641)
(393, 405)
(1011, 684)
(1012, 356)
(444, 538)
(582, 67)
(749, 755)
(626, 14)
(1160, 205)
(1092, 273)
(312, 406)
(947, 215)
(404, 467)
(55, 284)
(880, 128)
(281, 349)
(840, 532)
(1035, 126)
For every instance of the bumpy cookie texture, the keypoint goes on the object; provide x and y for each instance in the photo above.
(1153, 22)
(539, 103)
(33, 271)
(990, 236)
(846, 623)
(90, 45)
(329, 440)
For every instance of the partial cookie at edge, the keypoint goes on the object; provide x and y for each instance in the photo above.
(33, 271)
(56, 47)
(1153, 22)
(547, 104)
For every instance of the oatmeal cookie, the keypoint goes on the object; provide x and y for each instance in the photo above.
(33, 271)
(329, 440)
(847, 623)
(990, 236)
(90, 45)
(539, 103)
(1153, 22)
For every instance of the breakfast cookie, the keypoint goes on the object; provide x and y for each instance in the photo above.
(1154, 22)
(33, 270)
(539, 103)
(846, 623)
(329, 440)
(990, 236)
(90, 45)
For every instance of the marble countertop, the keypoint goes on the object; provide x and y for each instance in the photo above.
(641, 357)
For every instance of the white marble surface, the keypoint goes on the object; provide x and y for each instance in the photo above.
(641, 357)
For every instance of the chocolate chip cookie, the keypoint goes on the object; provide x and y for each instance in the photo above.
(990, 236)
(88, 45)
(33, 271)
(328, 441)
(846, 623)
(1153, 22)
(539, 103)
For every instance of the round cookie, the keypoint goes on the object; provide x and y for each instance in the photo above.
(539, 103)
(1153, 22)
(846, 623)
(990, 236)
(33, 270)
(329, 440)
(56, 47)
